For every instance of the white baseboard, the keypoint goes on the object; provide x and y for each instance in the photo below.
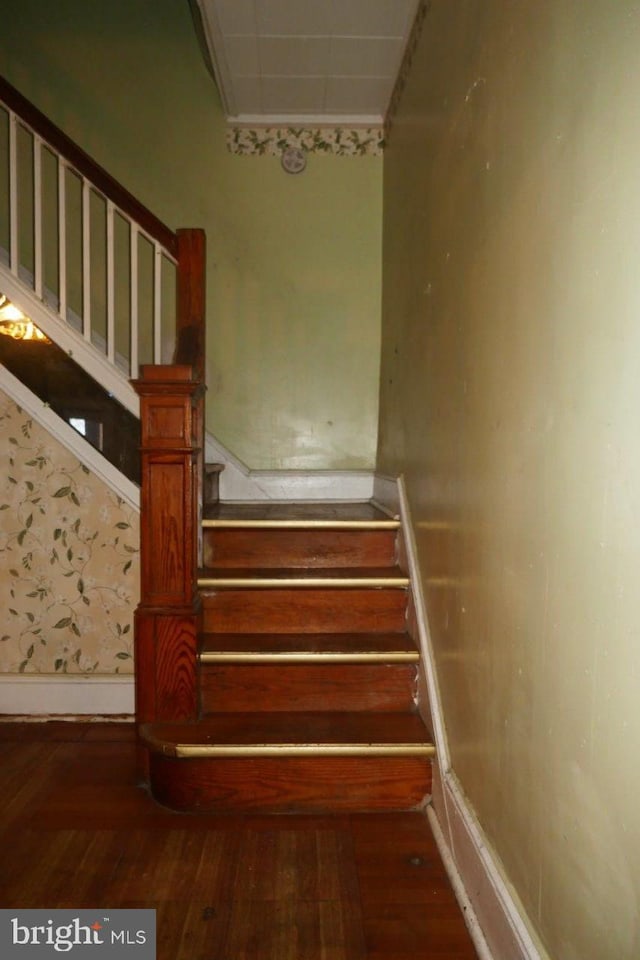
(469, 914)
(66, 695)
(495, 917)
(238, 482)
(386, 493)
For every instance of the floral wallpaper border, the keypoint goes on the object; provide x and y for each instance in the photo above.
(339, 141)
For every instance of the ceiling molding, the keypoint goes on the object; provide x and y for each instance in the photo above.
(405, 67)
(288, 63)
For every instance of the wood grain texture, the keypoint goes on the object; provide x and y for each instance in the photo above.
(294, 727)
(244, 687)
(176, 639)
(255, 548)
(168, 618)
(291, 785)
(304, 611)
(76, 831)
(361, 512)
(191, 301)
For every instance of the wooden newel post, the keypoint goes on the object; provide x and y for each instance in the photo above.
(168, 617)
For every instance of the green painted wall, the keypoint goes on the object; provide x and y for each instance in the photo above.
(510, 397)
(294, 262)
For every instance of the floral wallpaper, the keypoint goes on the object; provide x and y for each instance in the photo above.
(272, 141)
(68, 559)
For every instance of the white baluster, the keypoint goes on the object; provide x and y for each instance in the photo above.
(13, 193)
(157, 304)
(133, 252)
(37, 214)
(111, 335)
(86, 259)
(62, 238)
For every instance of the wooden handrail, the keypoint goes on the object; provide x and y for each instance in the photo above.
(83, 163)
(190, 301)
(168, 617)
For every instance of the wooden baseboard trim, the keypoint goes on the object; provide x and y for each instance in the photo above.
(52, 696)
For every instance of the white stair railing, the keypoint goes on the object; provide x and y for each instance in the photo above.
(94, 267)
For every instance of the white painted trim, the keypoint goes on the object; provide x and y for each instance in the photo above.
(70, 340)
(238, 482)
(424, 635)
(66, 695)
(478, 879)
(464, 902)
(385, 494)
(70, 438)
(259, 120)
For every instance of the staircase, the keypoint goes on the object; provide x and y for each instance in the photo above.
(274, 667)
(307, 677)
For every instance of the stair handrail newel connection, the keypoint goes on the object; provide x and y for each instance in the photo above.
(168, 617)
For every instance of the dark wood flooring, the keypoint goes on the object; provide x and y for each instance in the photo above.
(77, 832)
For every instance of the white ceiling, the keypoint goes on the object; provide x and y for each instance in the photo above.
(313, 62)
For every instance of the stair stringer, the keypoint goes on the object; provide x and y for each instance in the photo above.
(72, 341)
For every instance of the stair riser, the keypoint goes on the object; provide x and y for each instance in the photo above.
(242, 688)
(251, 548)
(304, 610)
(291, 785)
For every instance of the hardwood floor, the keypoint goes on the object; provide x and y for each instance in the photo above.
(77, 832)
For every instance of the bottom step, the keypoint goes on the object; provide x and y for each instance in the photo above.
(302, 763)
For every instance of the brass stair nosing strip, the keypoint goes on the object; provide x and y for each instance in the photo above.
(374, 656)
(301, 524)
(186, 751)
(302, 582)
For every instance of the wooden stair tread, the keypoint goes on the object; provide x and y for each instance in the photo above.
(282, 647)
(335, 515)
(301, 576)
(289, 733)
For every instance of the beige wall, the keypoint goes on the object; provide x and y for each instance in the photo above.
(509, 398)
(294, 262)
